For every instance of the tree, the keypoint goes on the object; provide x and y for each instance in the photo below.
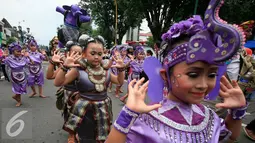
(161, 14)
(150, 41)
(11, 40)
(86, 28)
(103, 13)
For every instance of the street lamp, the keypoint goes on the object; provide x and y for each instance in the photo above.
(116, 21)
(195, 9)
(28, 30)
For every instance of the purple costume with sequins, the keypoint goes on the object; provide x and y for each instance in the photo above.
(126, 60)
(16, 69)
(176, 123)
(212, 41)
(36, 76)
(136, 69)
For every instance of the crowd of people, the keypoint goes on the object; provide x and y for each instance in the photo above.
(199, 61)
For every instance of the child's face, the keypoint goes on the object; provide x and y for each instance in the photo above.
(124, 52)
(94, 54)
(17, 53)
(191, 83)
(33, 48)
(141, 56)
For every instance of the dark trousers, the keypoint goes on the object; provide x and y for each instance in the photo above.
(5, 74)
(86, 130)
(251, 126)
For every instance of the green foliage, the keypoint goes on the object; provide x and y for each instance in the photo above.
(103, 13)
(161, 14)
(86, 28)
(150, 41)
(11, 40)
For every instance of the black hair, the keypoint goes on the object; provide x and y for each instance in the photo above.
(149, 52)
(98, 39)
(69, 45)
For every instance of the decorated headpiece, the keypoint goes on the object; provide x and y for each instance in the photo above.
(14, 46)
(210, 41)
(213, 41)
(123, 48)
(114, 49)
(33, 43)
(138, 49)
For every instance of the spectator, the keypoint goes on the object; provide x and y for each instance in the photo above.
(4, 52)
(149, 53)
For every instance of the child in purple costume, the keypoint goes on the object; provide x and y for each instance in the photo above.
(195, 52)
(36, 75)
(136, 65)
(15, 64)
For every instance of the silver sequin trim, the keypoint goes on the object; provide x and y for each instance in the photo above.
(178, 126)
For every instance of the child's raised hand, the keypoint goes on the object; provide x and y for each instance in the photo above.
(232, 94)
(136, 97)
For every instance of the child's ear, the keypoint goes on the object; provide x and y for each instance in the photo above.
(163, 74)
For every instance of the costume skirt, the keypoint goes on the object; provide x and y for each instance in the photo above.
(92, 120)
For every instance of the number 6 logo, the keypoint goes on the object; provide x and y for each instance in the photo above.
(13, 121)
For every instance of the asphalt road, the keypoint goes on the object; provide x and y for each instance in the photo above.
(43, 122)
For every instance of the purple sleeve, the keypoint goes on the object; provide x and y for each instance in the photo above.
(6, 60)
(43, 57)
(27, 60)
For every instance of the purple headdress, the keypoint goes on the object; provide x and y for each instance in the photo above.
(213, 41)
(138, 49)
(14, 46)
(123, 48)
(33, 43)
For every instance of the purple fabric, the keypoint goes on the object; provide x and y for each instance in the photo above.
(33, 43)
(188, 27)
(115, 70)
(205, 43)
(152, 68)
(124, 119)
(16, 62)
(136, 68)
(16, 66)
(37, 57)
(19, 88)
(138, 49)
(60, 45)
(14, 46)
(73, 15)
(215, 92)
(144, 132)
(35, 79)
(36, 75)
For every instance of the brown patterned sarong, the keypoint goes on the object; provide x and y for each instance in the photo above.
(101, 115)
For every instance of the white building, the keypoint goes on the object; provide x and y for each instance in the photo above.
(137, 34)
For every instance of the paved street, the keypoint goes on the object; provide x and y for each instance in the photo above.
(46, 119)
